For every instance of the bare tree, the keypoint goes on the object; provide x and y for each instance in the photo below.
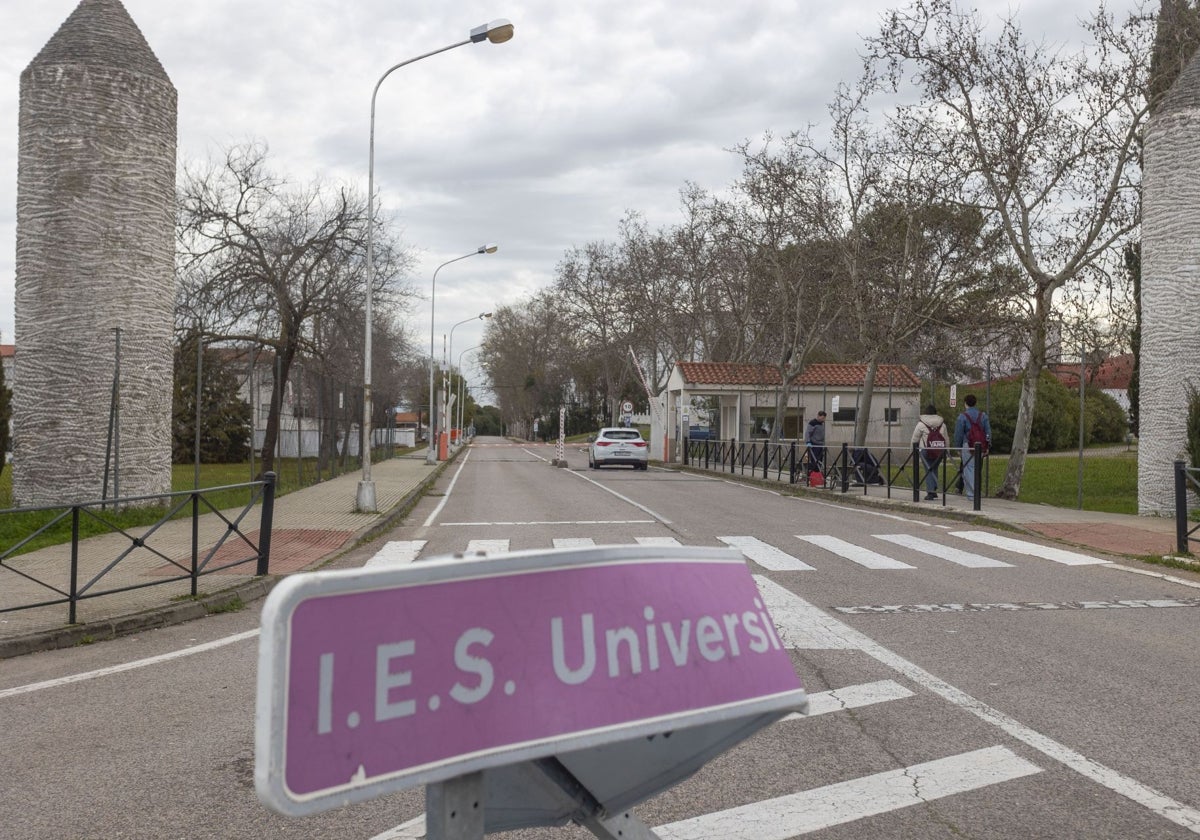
(1046, 140)
(263, 263)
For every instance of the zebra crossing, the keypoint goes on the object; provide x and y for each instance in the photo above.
(821, 551)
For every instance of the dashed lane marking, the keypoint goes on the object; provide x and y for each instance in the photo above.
(864, 557)
(1057, 555)
(845, 802)
(945, 552)
(767, 556)
(396, 553)
(852, 697)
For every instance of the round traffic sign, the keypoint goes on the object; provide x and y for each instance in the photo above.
(627, 407)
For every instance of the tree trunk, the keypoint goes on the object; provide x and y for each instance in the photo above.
(862, 419)
(1011, 488)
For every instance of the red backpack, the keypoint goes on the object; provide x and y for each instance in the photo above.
(935, 442)
(975, 433)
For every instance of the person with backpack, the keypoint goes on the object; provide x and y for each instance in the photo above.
(972, 428)
(814, 440)
(932, 437)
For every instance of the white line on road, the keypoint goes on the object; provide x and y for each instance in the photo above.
(449, 490)
(845, 802)
(396, 553)
(556, 522)
(812, 623)
(864, 557)
(801, 625)
(852, 697)
(1058, 555)
(623, 498)
(945, 552)
(866, 512)
(487, 546)
(1159, 575)
(767, 556)
(656, 541)
(128, 666)
(574, 542)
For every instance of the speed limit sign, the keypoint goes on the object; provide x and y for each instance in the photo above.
(627, 407)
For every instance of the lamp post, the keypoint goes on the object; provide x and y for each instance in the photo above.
(450, 345)
(496, 32)
(462, 384)
(491, 248)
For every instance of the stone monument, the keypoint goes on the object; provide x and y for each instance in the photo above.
(94, 264)
(1170, 351)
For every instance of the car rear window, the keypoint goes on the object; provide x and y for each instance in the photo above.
(623, 434)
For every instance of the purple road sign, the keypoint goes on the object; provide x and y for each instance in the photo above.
(374, 680)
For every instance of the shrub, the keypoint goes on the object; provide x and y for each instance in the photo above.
(1193, 425)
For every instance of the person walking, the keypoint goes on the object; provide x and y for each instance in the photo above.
(932, 436)
(972, 427)
(814, 440)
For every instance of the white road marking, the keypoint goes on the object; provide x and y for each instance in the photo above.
(865, 512)
(487, 546)
(1170, 578)
(799, 619)
(845, 802)
(449, 490)
(128, 666)
(1058, 555)
(623, 498)
(801, 625)
(653, 541)
(945, 552)
(851, 697)
(574, 542)
(864, 557)
(767, 556)
(414, 829)
(396, 553)
(553, 522)
(534, 454)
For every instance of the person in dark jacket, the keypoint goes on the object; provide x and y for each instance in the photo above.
(971, 416)
(814, 439)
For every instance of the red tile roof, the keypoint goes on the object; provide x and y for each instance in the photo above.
(7, 350)
(1113, 374)
(816, 375)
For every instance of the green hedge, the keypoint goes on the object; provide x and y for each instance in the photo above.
(1055, 415)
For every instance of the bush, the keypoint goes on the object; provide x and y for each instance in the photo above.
(1055, 416)
(1193, 426)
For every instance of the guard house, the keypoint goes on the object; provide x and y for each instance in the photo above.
(729, 400)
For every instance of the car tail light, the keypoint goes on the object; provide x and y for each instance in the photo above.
(604, 443)
(639, 443)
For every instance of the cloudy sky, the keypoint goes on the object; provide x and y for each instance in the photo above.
(594, 108)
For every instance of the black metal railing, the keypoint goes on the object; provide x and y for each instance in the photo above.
(839, 469)
(1186, 478)
(201, 561)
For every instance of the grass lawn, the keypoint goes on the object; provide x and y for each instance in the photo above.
(1109, 480)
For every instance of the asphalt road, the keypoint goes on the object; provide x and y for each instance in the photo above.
(962, 687)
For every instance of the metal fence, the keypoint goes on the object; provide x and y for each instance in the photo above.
(841, 469)
(1186, 478)
(43, 582)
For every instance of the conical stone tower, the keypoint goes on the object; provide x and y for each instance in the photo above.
(95, 246)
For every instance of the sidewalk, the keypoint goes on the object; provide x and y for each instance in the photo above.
(318, 523)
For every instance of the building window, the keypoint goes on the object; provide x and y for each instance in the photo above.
(891, 416)
(845, 415)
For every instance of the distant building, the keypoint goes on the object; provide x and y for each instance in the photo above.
(741, 398)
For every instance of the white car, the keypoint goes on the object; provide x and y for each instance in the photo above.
(618, 445)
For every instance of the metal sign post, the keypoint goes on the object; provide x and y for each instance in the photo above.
(377, 679)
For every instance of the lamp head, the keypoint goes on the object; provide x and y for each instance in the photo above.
(483, 315)
(497, 31)
(490, 248)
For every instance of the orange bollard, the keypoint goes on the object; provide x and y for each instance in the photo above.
(443, 448)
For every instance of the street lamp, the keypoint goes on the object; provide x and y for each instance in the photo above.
(462, 384)
(491, 248)
(450, 346)
(497, 32)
